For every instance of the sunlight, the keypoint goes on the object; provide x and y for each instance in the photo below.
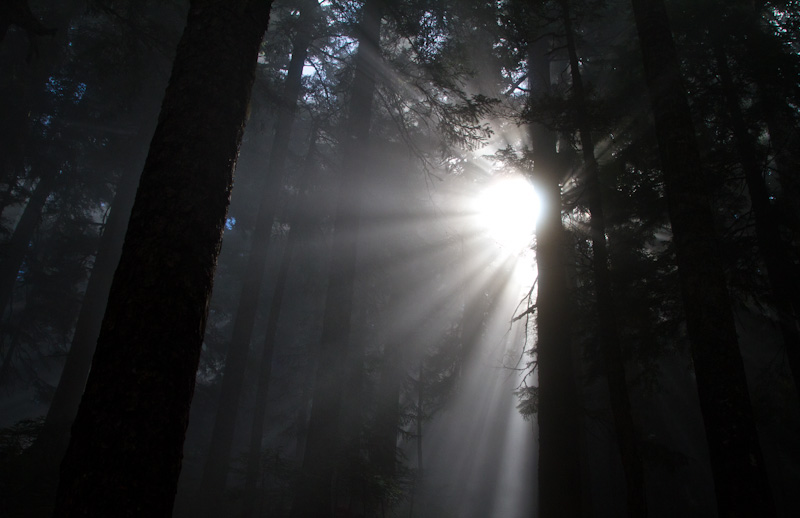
(508, 209)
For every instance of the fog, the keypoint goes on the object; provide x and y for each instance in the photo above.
(398, 259)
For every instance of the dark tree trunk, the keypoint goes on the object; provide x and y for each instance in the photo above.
(8, 355)
(51, 443)
(17, 247)
(558, 409)
(314, 496)
(297, 232)
(215, 471)
(783, 279)
(126, 448)
(736, 460)
(606, 317)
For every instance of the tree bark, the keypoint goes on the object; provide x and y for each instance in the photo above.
(627, 441)
(126, 448)
(736, 460)
(559, 413)
(314, 497)
(215, 471)
(51, 443)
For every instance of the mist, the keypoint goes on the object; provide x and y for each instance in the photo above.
(310, 259)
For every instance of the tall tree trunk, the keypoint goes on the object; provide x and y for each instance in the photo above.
(314, 496)
(73, 378)
(736, 460)
(783, 279)
(8, 356)
(215, 471)
(604, 300)
(17, 247)
(559, 410)
(51, 443)
(125, 453)
(297, 232)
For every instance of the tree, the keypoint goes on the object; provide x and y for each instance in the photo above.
(125, 454)
(558, 407)
(771, 77)
(23, 232)
(215, 471)
(783, 280)
(33, 76)
(314, 496)
(606, 317)
(296, 233)
(736, 460)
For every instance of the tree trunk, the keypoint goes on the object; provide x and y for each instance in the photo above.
(314, 496)
(76, 369)
(736, 461)
(17, 247)
(296, 233)
(126, 448)
(215, 471)
(780, 271)
(8, 355)
(604, 302)
(558, 410)
(52, 441)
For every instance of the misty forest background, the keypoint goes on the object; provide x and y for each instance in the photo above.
(370, 348)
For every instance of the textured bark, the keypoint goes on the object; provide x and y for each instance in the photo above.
(783, 279)
(17, 247)
(314, 496)
(126, 448)
(613, 362)
(736, 460)
(558, 410)
(215, 471)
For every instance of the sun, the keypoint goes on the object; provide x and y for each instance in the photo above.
(507, 210)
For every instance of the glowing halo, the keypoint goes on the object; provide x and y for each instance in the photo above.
(507, 210)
